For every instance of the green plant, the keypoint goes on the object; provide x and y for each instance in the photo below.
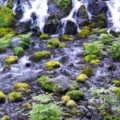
(64, 4)
(18, 51)
(109, 104)
(46, 110)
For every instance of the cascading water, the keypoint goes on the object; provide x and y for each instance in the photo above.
(76, 4)
(114, 14)
(34, 9)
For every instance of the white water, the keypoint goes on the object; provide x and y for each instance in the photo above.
(39, 7)
(114, 14)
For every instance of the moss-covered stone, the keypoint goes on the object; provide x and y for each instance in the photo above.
(5, 31)
(65, 98)
(44, 36)
(6, 17)
(116, 82)
(71, 104)
(18, 51)
(75, 94)
(15, 97)
(22, 87)
(5, 117)
(11, 60)
(88, 58)
(40, 55)
(2, 97)
(87, 71)
(83, 34)
(66, 37)
(95, 62)
(52, 65)
(81, 78)
(55, 43)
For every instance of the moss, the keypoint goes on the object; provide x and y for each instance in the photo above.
(6, 17)
(55, 43)
(87, 71)
(116, 82)
(65, 98)
(27, 106)
(5, 31)
(66, 37)
(5, 117)
(40, 55)
(83, 34)
(82, 78)
(11, 60)
(71, 104)
(2, 97)
(15, 97)
(44, 36)
(101, 17)
(22, 87)
(76, 86)
(9, 4)
(18, 51)
(52, 65)
(88, 58)
(95, 62)
(75, 94)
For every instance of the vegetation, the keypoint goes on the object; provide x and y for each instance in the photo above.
(2, 97)
(18, 51)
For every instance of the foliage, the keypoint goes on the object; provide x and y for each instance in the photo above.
(46, 110)
(65, 4)
(6, 17)
(83, 34)
(109, 104)
(18, 51)
(115, 51)
(94, 48)
(5, 31)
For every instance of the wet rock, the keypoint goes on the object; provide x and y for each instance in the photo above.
(51, 24)
(15, 42)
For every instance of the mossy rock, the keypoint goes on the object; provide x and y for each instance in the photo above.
(95, 62)
(87, 71)
(71, 104)
(66, 37)
(83, 34)
(18, 51)
(75, 94)
(6, 17)
(9, 4)
(2, 97)
(11, 60)
(55, 43)
(88, 58)
(22, 87)
(15, 97)
(116, 83)
(44, 36)
(40, 55)
(5, 31)
(65, 98)
(5, 117)
(81, 78)
(52, 65)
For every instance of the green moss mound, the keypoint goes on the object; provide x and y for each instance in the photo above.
(19, 51)
(6, 17)
(5, 117)
(2, 97)
(5, 31)
(44, 36)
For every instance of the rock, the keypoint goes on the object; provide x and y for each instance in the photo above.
(52, 65)
(82, 16)
(71, 104)
(15, 42)
(15, 97)
(65, 98)
(22, 87)
(11, 60)
(83, 34)
(18, 51)
(22, 27)
(51, 24)
(44, 36)
(5, 117)
(98, 7)
(82, 78)
(2, 97)
(75, 94)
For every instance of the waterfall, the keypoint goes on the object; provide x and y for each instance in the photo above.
(36, 11)
(114, 14)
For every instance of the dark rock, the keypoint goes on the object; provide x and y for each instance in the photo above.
(51, 24)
